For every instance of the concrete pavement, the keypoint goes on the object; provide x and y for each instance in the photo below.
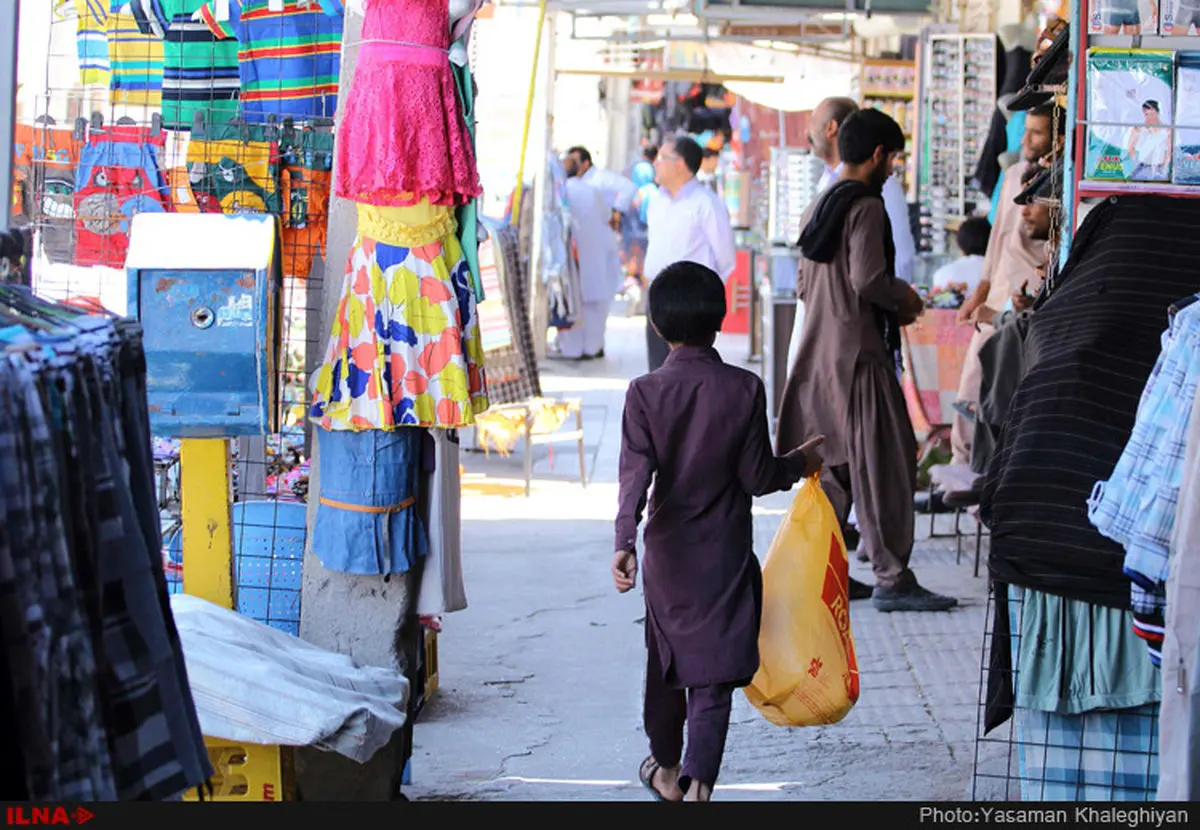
(541, 677)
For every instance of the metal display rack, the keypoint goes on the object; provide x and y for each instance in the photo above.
(793, 177)
(891, 86)
(958, 91)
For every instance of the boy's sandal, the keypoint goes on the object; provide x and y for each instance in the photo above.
(646, 776)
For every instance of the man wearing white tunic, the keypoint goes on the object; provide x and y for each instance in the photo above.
(592, 237)
(618, 193)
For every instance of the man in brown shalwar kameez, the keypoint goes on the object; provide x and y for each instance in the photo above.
(844, 383)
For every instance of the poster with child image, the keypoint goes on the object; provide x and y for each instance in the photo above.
(1130, 103)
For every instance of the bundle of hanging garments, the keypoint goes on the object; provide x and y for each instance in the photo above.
(95, 703)
(1065, 659)
(1150, 505)
(404, 364)
(405, 347)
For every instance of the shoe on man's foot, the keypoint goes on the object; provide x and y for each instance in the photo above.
(915, 598)
(852, 537)
(860, 590)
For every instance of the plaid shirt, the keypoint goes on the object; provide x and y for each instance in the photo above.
(1136, 506)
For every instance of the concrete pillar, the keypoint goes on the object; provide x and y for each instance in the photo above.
(369, 618)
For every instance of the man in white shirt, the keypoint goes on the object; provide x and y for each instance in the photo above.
(686, 222)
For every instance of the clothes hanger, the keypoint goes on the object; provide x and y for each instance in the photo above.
(24, 303)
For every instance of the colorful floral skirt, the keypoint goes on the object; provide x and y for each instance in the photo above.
(405, 350)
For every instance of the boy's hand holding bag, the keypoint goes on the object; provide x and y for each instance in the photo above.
(808, 674)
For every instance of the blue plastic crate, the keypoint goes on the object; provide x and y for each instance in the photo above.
(268, 544)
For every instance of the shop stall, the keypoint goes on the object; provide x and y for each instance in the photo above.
(1089, 496)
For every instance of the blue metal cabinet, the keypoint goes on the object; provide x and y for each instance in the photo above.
(206, 290)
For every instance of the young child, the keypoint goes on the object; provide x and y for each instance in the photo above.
(698, 428)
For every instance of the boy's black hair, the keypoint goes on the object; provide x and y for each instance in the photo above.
(687, 149)
(650, 152)
(864, 131)
(687, 303)
(973, 236)
(710, 153)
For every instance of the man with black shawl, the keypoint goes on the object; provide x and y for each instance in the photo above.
(844, 383)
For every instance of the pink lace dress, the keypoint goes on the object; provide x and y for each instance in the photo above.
(402, 139)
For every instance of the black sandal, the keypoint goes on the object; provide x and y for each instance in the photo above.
(646, 776)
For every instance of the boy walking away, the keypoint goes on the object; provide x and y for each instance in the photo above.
(698, 428)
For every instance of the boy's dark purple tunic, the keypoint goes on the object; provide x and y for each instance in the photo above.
(698, 427)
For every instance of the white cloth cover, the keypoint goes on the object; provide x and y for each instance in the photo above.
(257, 684)
(442, 590)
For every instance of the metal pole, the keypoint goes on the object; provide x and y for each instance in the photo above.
(533, 72)
(10, 24)
(538, 309)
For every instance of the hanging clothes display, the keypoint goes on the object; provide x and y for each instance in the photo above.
(401, 141)
(200, 71)
(1092, 343)
(136, 60)
(1086, 697)
(367, 522)
(560, 270)
(306, 170)
(114, 51)
(1136, 506)
(45, 158)
(118, 177)
(405, 351)
(1179, 722)
(289, 54)
(234, 169)
(101, 704)
(512, 366)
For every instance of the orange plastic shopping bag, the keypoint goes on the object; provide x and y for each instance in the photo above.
(807, 674)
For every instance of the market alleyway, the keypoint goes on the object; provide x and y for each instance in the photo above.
(541, 677)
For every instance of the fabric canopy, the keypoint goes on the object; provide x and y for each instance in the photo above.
(807, 79)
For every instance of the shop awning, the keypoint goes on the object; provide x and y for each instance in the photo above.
(807, 79)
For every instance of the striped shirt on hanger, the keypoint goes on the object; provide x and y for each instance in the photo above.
(135, 59)
(113, 52)
(290, 59)
(200, 73)
(91, 39)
